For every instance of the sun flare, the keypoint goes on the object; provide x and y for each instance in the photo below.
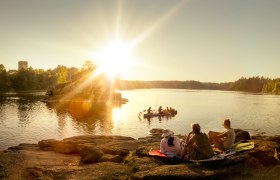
(115, 59)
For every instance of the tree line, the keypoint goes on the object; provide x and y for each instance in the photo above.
(36, 79)
(253, 84)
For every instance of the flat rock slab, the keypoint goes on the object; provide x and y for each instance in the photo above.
(126, 158)
(174, 172)
(104, 170)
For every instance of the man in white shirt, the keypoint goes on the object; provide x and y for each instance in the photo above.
(223, 140)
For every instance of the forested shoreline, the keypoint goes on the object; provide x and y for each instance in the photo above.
(38, 79)
(252, 84)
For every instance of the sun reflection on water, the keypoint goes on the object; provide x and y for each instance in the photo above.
(116, 114)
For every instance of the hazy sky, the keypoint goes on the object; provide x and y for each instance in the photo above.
(205, 40)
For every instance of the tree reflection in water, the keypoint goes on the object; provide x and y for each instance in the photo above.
(26, 105)
(84, 117)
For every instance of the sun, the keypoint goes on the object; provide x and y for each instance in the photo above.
(115, 59)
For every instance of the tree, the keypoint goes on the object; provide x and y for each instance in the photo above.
(88, 66)
(276, 89)
(3, 78)
(268, 87)
(61, 74)
(72, 74)
(2, 68)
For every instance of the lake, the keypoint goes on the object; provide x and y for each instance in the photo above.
(27, 119)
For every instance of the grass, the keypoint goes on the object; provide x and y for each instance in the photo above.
(130, 160)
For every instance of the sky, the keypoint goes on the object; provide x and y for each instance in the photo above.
(204, 40)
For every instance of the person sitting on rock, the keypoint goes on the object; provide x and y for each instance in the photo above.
(223, 140)
(170, 144)
(197, 145)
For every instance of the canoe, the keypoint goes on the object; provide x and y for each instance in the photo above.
(159, 115)
(154, 115)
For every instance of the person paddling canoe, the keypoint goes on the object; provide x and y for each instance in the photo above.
(149, 110)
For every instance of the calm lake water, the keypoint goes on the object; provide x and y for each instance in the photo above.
(27, 119)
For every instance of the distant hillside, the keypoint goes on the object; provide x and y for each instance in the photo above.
(253, 84)
(125, 84)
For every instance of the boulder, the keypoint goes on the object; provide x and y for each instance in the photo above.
(156, 132)
(2, 172)
(111, 158)
(23, 146)
(115, 151)
(65, 147)
(91, 155)
(241, 135)
(48, 144)
(264, 158)
(274, 138)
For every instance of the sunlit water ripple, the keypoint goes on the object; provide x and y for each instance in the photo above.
(27, 119)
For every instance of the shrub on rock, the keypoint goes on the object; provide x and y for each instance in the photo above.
(91, 155)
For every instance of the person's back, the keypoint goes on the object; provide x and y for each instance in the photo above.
(201, 148)
(170, 143)
(229, 140)
(167, 146)
(223, 140)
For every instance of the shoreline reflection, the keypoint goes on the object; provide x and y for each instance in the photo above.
(84, 118)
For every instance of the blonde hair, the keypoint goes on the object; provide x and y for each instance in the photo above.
(227, 123)
(195, 128)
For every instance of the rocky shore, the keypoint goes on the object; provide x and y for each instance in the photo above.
(118, 157)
